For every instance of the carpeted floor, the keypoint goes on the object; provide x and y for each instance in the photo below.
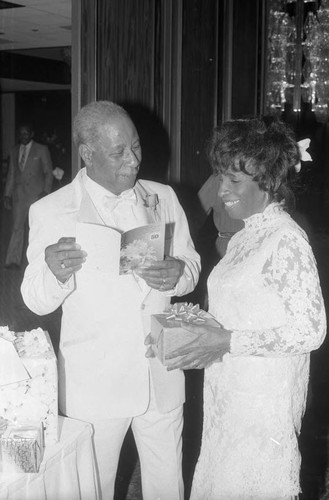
(314, 440)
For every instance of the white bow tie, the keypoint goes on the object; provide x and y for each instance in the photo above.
(127, 197)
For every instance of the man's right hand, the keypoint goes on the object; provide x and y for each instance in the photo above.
(7, 202)
(64, 258)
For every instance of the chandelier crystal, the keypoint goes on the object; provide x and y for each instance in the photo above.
(298, 56)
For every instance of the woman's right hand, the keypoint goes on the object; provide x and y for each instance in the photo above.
(210, 345)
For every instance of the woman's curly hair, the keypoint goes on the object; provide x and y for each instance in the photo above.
(264, 148)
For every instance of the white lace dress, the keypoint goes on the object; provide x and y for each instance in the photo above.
(266, 290)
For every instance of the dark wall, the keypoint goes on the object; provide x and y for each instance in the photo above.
(247, 57)
(23, 67)
(129, 72)
(125, 42)
(133, 40)
(199, 87)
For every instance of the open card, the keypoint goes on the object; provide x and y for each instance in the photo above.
(110, 251)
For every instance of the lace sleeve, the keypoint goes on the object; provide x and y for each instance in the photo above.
(292, 272)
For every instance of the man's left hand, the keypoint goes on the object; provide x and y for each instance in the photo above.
(162, 275)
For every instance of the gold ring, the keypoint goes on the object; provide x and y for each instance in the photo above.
(63, 266)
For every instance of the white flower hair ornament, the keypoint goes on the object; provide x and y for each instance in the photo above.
(303, 145)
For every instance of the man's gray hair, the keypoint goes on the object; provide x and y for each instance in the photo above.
(90, 119)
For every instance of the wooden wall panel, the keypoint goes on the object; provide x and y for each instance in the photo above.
(136, 48)
(83, 69)
(168, 70)
(125, 51)
(199, 87)
(159, 56)
(245, 58)
(169, 62)
(88, 52)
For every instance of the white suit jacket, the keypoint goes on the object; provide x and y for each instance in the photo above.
(103, 372)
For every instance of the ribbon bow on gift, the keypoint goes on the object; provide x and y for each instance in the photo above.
(303, 145)
(182, 311)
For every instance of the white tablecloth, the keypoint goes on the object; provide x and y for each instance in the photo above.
(67, 471)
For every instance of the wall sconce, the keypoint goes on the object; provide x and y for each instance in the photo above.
(298, 56)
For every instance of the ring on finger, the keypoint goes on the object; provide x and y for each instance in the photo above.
(164, 281)
(63, 266)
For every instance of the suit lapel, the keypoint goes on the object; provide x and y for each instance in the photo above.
(86, 209)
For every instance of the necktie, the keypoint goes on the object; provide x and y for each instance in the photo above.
(22, 160)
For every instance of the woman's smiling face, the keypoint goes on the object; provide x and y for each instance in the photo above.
(241, 195)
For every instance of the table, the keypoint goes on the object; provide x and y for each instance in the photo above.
(67, 471)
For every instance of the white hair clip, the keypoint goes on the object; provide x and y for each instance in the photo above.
(303, 145)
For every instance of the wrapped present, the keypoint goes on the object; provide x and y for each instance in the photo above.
(22, 448)
(170, 329)
(28, 380)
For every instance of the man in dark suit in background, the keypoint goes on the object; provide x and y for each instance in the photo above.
(210, 201)
(29, 178)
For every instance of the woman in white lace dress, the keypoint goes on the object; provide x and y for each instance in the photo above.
(265, 293)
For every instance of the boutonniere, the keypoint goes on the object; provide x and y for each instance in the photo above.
(151, 200)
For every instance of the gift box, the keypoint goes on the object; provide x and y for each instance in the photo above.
(170, 329)
(28, 380)
(22, 448)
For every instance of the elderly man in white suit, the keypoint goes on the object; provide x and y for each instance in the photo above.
(104, 375)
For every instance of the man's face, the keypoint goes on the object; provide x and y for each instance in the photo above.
(25, 135)
(116, 157)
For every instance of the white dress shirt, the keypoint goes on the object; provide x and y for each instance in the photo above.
(123, 212)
